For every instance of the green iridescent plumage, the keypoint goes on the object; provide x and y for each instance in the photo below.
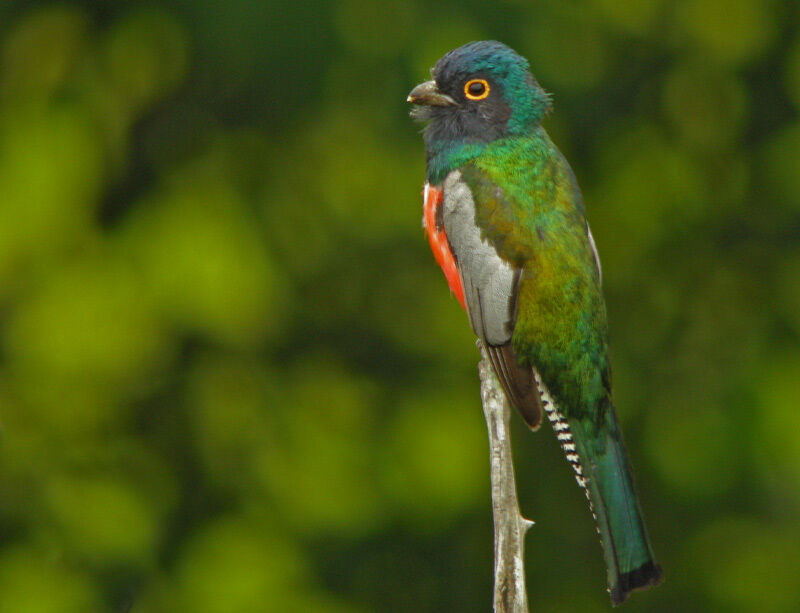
(528, 208)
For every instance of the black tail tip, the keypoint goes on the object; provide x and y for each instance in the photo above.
(647, 575)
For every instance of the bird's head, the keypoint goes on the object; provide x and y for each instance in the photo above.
(480, 92)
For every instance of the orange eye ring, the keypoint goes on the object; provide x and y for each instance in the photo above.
(476, 89)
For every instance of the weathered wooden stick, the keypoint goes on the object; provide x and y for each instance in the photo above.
(509, 525)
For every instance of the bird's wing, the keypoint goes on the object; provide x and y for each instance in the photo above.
(490, 286)
(594, 253)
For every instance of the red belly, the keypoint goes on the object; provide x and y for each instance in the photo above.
(431, 201)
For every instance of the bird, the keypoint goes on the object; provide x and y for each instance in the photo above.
(505, 219)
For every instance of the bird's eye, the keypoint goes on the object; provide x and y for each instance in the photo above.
(476, 89)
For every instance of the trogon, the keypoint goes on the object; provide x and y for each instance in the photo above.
(505, 220)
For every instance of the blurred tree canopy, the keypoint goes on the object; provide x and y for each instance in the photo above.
(232, 378)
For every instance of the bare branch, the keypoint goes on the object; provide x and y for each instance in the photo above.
(509, 525)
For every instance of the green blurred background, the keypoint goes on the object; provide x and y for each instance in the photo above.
(232, 378)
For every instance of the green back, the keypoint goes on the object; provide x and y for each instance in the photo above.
(529, 207)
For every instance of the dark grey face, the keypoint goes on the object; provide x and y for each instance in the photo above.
(513, 104)
(462, 107)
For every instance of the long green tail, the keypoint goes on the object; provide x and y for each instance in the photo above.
(601, 467)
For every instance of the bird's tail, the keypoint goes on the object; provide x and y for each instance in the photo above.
(598, 457)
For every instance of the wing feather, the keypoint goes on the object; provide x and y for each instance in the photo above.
(518, 382)
(490, 288)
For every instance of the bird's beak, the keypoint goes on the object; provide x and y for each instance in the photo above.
(428, 94)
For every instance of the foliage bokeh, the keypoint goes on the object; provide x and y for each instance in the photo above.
(232, 379)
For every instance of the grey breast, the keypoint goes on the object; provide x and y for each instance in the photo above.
(489, 282)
